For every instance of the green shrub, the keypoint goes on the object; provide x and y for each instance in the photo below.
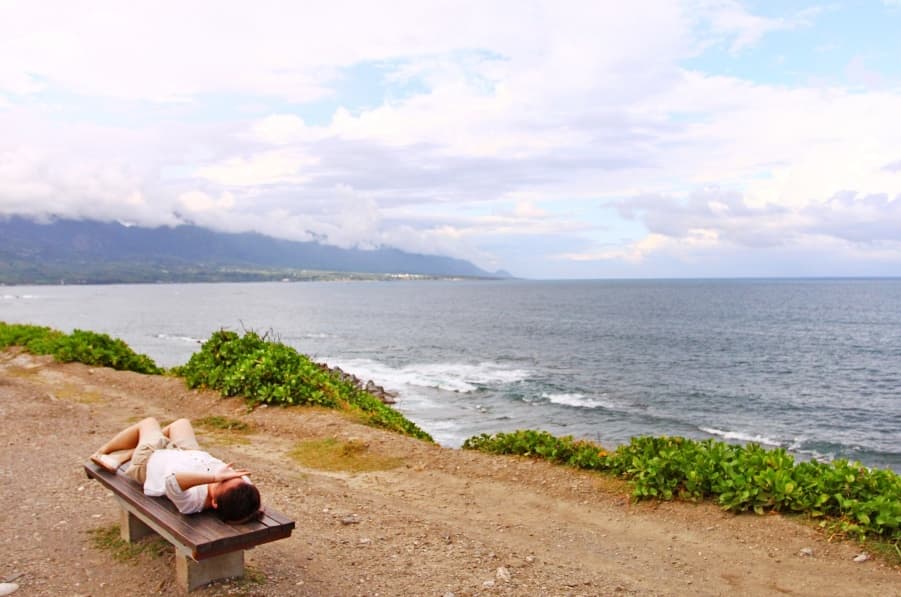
(541, 444)
(33, 338)
(860, 501)
(80, 346)
(268, 372)
(92, 348)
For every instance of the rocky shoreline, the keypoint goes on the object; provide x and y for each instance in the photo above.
(386, 396)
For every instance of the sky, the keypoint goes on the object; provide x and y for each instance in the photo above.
(558, 139)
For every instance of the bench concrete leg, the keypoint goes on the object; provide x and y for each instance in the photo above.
(132, 528)
(190, 574)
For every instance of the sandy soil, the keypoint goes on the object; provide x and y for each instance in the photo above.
(444, 522)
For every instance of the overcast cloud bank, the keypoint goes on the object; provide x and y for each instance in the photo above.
(595, 139)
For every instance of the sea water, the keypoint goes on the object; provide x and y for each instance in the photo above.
(810, 365)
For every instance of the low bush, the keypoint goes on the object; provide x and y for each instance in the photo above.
(270, 372)
(80, 346)
(858, 500)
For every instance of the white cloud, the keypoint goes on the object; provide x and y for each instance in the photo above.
(198, 201)
(714, 219)
(269, 167)
(784, 146)
(282, 129)
(858, 73)
(358, 220)
(731, 19)
(634, 253)
(730, 22)
(527, 209)
(857, 218)
(35, 183)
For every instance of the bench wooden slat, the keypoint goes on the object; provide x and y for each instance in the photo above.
(203, 534)
(276, 518)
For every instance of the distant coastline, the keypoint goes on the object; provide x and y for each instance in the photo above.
(138, 275)
(93, 252)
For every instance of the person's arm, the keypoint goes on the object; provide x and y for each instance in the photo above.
(188, 491)
(187, 480)
(188, 501)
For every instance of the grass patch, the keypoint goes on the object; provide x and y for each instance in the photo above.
(73, 393)
(889, 551)
(252, 577)
(109, 539)
(248, 585)
(23, 372)
(224, 431)
(217, 423)
(332, 454)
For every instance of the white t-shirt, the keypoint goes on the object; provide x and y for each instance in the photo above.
(161, 468)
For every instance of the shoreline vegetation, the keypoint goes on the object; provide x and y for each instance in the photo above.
(261, 371)
(844, 498)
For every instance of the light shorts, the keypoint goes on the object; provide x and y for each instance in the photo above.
(137, 468)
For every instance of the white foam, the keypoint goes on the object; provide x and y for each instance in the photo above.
(444, 425)
(815, 455)
(180, 338)
(576, 400)
(797, 447)
(462, 378)
(742, 437)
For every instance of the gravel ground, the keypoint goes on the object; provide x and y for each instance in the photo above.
(442, 522)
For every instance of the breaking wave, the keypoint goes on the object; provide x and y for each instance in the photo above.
(742, 437)
(577, 400)
(462, 378)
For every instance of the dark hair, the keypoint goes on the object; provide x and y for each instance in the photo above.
(239, 503)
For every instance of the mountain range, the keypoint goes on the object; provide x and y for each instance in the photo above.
(90, 251)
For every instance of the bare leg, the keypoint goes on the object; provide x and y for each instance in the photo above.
(113, 453)
(182, 434)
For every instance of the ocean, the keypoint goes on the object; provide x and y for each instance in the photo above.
(811, 365)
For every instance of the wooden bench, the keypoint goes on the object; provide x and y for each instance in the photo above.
(206, 549)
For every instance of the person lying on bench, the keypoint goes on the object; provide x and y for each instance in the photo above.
(169, 462)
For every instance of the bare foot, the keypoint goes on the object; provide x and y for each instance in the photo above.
(105, 461)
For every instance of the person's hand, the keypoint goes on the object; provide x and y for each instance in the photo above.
(228, 473)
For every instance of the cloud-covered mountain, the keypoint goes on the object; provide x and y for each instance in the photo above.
(102, 252)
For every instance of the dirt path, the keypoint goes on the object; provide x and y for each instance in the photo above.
(443, 522)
